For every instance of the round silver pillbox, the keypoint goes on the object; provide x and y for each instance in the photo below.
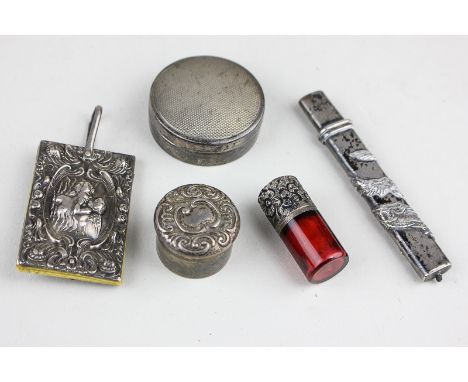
(206, 110)
(196, 226)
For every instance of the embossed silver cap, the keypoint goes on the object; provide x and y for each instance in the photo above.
(206, 110)
(196, 226)
(283, 199)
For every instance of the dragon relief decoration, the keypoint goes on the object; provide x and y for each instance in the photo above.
(281, 198)
(77, 216)
(399, 216)
(396, 215)
(380, 187)
(197, 220)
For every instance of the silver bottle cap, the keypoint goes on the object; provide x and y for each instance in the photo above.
(206, 110)
(196, 226)
(283, 199)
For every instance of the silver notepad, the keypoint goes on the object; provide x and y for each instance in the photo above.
(76, 220)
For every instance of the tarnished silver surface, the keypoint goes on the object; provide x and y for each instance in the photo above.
(412, 236)
(399, 216)
(380, 187)
(283, 199)
(206, 110)
(76, 220)
(196, 226)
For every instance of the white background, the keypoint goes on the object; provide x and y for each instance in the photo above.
(407, 98)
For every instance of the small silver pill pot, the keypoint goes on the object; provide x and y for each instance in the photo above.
(196, 226)
(206, 110)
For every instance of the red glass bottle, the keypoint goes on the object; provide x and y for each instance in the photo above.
(308, 237)
(314, 246)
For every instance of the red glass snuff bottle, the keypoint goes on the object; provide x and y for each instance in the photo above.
(302, 228)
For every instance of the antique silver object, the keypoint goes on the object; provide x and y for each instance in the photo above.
(76, 220)
(196, 226)
(302, 228)
(206, 110)
(387, 203)
(283, 199)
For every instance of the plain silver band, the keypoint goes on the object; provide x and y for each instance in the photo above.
(334, 128)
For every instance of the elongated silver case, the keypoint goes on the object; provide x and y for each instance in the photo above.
(413, 237)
